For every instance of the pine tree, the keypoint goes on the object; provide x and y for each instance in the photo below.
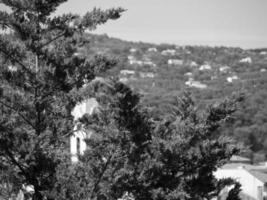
(41, 72)
(131, 155)
(121, 134)
(183, 154)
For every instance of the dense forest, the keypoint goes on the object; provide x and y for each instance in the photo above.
(209, 74)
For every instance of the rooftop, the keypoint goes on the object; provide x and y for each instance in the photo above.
(236, 158)
(258, 171)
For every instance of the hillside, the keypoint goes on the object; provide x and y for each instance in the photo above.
(161, 72)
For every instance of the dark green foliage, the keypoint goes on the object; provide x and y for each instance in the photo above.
(131, 153)
(40, 74)
(183, 154)
(234, 192)
(121, 134)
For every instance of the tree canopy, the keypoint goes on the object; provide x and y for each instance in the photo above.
(41, 72)
(131, 154)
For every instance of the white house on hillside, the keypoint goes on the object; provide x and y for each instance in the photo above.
(150, 63)
(189, 74)
(230, 79)
(146, 74)
(225, 69)
(133, 50)
(136, 62)
(77, 143)
(175, 62)
(152, 49)
(193, 64)
(246, 60)
(253, 179)
(192, 83)
(126, 72)
(205, 67)
(168, 52)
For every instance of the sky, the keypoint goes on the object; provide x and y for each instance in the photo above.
(237, 23)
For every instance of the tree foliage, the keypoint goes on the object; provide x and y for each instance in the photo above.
(234, 192)
(40, 73)
(132, 155)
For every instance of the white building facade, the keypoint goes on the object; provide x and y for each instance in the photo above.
(77, 140)
(253, 179)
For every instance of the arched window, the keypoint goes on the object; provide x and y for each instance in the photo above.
(78, 146)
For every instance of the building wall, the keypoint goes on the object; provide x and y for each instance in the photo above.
(249, 183)
(77, 140)
(76, 149)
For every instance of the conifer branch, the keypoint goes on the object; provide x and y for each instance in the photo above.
(101, 175)
(52, 40)
(16, 60)
(13, 160)
(18, 112)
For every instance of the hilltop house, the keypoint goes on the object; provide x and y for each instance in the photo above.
(149, 63)
(246, 60)
(205, 67)
(224, 69)
(192, 83)
(189, 74)
(193, 64)
(230, 79)
(253, 178)
(126, 72)
(146, 74)
(152, 49)
(175, 62)
(168, 52)
(135, 62)
(133, 50)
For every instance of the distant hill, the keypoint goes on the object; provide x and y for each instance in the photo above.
(161, 72)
